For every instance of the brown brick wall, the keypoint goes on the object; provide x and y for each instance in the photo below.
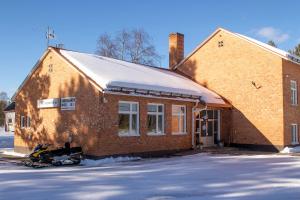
(257, 115)
(52, 125)
(291, 71)
(94, 123)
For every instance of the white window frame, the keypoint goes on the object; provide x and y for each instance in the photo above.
(130, 112)
(22, 122)
(28, 122)
(179, 116)
(294, 134)
(157, 113)
(294, 93)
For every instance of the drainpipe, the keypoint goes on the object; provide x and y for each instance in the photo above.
(193, 121)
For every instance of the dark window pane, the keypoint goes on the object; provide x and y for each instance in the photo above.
(197, 126)
(134, 124)
(160, 108)
(123, 123)
(210, 114)
(216, 114)
(151, 123)
(216, 127)
(210, 128)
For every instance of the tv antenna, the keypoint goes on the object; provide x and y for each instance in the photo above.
(49, 35)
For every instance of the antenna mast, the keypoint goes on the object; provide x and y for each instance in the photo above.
(49, 35)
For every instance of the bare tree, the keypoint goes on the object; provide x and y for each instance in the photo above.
(106, 46)
(129, 45)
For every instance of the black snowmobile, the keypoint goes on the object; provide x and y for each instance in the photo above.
(43, 157)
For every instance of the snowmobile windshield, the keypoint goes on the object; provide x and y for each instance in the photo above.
(39, 146)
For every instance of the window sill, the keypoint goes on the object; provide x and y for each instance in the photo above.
(156, 134)
(184, 133)
(295, 143)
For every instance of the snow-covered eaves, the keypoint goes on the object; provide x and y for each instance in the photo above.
(121, 76)
(279, 52)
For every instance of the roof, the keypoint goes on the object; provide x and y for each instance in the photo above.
(10, 107)
(279, 52)
(110, 73)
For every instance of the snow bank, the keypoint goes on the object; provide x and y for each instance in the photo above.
(89, 162)
(11, 152)
(6, 139)
(291, 150)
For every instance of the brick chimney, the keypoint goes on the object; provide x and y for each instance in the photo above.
(176, 49)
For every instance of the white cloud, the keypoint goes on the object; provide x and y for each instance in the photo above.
(274, 34)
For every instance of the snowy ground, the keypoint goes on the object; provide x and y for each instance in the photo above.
(6, 139)
(200, 176)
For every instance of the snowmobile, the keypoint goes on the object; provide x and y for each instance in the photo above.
(42, 156)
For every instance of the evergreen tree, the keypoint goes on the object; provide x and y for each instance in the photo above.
(3, 105)
(295, 51)
(272, 43)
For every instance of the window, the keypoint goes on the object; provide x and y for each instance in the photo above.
(155, 119)
(22, 122)
(294, 131)
(294, 92)
(178, 119)
(10, 120)
(128, 118)
(28, 122)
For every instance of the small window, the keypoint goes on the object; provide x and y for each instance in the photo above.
(294, 92)
(294, 133)
(28, 122)
(155, 119)
(50, 68)
(128, 118)
(10, 120)
(22, 122)
(178, 119)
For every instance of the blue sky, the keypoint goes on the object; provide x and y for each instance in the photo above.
(78, 24)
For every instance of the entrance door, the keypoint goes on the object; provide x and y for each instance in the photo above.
(207, 127)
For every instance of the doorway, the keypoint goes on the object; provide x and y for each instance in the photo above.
(207, 127)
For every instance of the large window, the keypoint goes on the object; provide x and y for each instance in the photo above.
(294, 92)
(22, 122)
(128, 118)
(178, 119)
(155, 119)
(294, 133)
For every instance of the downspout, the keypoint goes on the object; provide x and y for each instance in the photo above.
(193, 121)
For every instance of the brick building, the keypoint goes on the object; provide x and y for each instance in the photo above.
(230, 89)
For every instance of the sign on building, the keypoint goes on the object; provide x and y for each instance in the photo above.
(48, 103)
(68, 103)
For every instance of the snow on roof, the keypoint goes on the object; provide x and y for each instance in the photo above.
(280, 52)
(108, 72)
